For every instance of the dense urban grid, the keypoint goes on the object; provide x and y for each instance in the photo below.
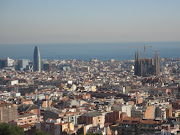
(75, 97)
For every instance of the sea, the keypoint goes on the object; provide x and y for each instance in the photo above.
(87, 51)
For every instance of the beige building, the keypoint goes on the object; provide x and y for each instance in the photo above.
(150, 112)
(95, 118)
(8, 112)
(28, 119)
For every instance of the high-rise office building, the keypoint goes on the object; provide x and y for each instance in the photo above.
(22, 63)
(36, 60)
(6, 62)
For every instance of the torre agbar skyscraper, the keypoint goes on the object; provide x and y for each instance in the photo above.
(36, 60)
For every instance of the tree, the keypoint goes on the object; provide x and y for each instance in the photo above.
(7, 129)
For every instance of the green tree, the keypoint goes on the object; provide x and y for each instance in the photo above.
(7, 129)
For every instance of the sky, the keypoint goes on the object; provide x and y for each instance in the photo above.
(88, 21)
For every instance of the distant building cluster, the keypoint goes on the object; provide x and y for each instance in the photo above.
(26, 65)
(76, 97)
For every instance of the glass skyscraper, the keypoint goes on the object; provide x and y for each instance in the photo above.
(36, 60)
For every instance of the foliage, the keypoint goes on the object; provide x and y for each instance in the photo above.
(7, 129)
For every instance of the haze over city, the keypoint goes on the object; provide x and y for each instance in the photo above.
(88, 21)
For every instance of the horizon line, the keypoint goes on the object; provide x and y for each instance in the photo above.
(144, 42)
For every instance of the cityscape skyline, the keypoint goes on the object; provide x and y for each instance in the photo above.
(90, 97)
(89, 67)
(101, 51)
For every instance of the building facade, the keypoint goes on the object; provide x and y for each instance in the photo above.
(6, 62)
(22, 63)
(8, 112)
(135, 126)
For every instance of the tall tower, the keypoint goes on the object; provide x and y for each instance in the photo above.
(156, 64)
(137, 65)
(36, 60)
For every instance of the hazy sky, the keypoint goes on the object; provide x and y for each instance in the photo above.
(75, 21)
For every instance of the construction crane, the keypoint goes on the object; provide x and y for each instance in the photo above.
(145, 46)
